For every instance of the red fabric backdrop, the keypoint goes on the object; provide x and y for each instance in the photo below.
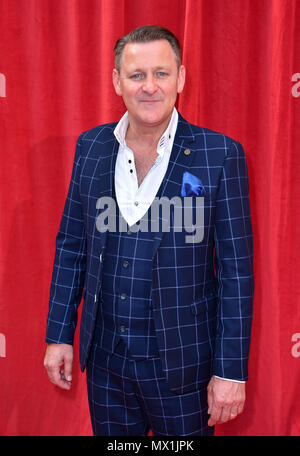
(243, 79)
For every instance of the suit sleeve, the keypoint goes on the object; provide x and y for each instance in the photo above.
(69, 264)
(234, 268)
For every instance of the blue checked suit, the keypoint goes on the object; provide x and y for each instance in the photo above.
(202, 292)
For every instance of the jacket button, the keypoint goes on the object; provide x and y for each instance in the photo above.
(123, 295)
(187, 152)
(125, 263)
(122, 329)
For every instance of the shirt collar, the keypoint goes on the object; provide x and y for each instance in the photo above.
(167, 136)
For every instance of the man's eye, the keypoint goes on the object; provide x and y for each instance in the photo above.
(136, 76)
(161, 74)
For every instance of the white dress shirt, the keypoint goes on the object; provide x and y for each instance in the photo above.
(134, 200)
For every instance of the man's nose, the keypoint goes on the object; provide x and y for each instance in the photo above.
(150, 85)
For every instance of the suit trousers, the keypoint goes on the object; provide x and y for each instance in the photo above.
(129, 397)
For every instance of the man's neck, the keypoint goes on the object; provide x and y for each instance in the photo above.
(145, 135)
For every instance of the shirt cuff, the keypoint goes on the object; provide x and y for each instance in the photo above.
(229, 379)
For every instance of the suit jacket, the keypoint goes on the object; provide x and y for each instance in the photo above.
(202, 292)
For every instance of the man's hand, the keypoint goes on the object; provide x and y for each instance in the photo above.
(56, 357)
(225, 400)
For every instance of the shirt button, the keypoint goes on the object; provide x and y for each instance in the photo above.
(136, 203)
(123, 295)
(125, 263)
(122, 329)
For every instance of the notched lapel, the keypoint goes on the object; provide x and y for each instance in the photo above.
(181, 159)
(105, 176)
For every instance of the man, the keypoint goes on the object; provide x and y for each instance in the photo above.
(165, 328)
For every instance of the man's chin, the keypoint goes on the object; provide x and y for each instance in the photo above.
(153, 119)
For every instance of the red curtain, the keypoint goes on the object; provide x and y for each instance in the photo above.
(243, 79)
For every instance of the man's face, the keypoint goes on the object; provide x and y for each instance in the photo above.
(149, 81)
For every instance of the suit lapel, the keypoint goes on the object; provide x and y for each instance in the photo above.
(106, 167)
(180, 160)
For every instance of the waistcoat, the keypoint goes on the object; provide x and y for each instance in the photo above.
(125, 310)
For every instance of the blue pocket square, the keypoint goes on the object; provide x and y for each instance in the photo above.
(191, 185)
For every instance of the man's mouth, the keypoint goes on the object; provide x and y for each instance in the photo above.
(150, 101)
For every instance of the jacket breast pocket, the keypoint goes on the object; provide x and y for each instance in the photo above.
(205, 304)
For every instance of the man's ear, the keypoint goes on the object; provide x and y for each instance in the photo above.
(116, 81)
(181, 78)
